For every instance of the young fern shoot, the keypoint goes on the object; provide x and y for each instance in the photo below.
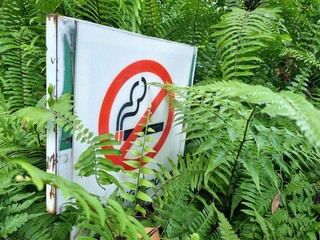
(138, 189)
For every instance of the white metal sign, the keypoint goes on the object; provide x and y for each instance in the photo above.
(109, 72)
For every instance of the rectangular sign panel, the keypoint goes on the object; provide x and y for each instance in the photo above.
(109, 71)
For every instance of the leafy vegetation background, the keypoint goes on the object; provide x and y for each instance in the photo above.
(251, 168)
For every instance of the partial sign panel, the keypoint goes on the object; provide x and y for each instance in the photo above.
(112, 93)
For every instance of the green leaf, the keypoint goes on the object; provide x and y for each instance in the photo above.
(133, 163)
(140, 209)
(102, 137)
(137, 143)
(147, 159)
(129, 185)
(140, 134)
(107, 142)
(86, 238)
(225, 227)
(150, 130)
(135, 152)
(146, 170)
(127, 196)
(145, 183)
(149, 139)
(148, 149)
(144, 197)
(109, 151)
(132, 174)
(4, 48)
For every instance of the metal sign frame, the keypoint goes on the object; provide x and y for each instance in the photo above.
(84, 59)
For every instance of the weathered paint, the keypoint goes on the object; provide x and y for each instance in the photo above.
(51, 71)
(52, 18)
(60, 70)
(102, 53)
(52, 197)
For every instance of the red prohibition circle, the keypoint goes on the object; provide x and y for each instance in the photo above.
(109, 99)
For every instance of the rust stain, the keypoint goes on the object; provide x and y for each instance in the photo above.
(51, 211)
(52, 195)
(53, 17)
(51, 163)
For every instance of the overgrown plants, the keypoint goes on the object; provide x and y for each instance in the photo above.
(251, 166)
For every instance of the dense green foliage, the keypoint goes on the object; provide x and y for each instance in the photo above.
(251, 168)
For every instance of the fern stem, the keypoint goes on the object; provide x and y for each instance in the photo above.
(4, 127)
(167, 182)
(21, 66)
(151, 13)
(56, 8)
(195, 22)
(194, 197)
(110, 229)
(238, 154)
(98, 11)
(87, 140)
(141, 154)
(238, 43)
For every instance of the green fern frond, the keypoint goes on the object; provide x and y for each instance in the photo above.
(204, 222)
(186, 21)
(15, 202)
(11, 224)
(90, 161)
(300, 82)
(123, 14)
(40, 178)
(242, 35)
(285, 103)
(305, 56)
(173, 211)
(196, 166)
(234, 4)
(44, 225)
(117, 224)
(22, 54)
(253, 169)
(297, 200)
(225, 228)
(151, 12)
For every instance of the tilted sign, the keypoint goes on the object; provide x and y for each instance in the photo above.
(109, 72)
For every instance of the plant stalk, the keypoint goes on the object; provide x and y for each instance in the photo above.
(238, 154)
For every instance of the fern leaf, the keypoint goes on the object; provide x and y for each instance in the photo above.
(11, 223)
(174, 209)
(253, 170)
(203, 223)
(86, 201)
(285, 103)
(242, 35)
(226, 231)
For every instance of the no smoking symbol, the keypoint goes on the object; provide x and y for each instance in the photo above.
(126, 135)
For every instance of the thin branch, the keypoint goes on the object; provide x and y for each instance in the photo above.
(87, 140)
(195, 22)
(140, 161)
(110, 229)
(238, 154)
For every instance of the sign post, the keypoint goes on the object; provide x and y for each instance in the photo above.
(110, 72)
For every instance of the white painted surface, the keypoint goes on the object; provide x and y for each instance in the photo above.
(102, 53)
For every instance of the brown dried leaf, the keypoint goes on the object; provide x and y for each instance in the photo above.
(276, 202)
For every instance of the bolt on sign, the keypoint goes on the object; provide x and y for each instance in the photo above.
(109, 72)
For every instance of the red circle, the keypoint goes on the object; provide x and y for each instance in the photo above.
(108, 101)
